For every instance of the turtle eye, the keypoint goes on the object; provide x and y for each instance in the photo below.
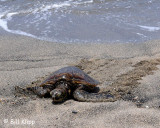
(57, 96)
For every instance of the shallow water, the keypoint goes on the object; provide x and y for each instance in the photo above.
(72, 21)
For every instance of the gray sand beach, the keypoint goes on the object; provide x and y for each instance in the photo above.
(132, 69)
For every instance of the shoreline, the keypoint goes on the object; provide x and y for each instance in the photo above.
(132, 49)
(6, 33)
(24, 60)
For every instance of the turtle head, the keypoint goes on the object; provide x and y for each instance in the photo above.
(58, 95)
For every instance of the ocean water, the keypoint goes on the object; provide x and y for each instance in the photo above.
(82, 21)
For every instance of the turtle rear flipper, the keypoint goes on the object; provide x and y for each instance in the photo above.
(84, 96)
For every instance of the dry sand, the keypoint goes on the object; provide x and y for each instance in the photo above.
(129, 71)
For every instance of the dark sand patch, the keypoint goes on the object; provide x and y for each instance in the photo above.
(121, 85)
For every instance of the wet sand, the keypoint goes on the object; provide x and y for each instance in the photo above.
(129, 71)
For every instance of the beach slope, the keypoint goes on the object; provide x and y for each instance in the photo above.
(129, 69)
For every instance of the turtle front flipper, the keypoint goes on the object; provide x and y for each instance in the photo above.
(40, 91)
(84, 96)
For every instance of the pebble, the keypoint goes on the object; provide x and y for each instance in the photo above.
(74, 112)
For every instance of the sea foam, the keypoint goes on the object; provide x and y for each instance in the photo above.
(3, 24)
(149, 28)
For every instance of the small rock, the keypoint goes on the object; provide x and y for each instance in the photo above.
(74, 112)
(135, 98)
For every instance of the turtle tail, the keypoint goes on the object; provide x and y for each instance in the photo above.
(84, 96)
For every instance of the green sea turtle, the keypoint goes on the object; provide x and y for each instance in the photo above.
(70, 82)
